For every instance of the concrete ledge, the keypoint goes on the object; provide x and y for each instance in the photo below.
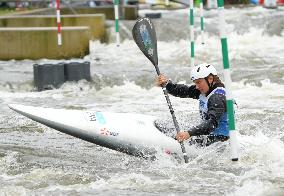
(127, 12)
(41, 42)
(130, 12)
(96, 22)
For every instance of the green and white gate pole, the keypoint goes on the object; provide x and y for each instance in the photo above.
(201, 21)
(228, 83)
(191, 29)
(116, 16)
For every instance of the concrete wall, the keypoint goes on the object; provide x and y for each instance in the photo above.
(34, 36)
(41, 42)
(96, 22)
(128, 12)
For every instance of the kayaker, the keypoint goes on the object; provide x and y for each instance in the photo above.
(211, 93)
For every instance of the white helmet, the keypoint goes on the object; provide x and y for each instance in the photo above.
(202, 71)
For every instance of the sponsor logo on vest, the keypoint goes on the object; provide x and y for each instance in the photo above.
(201, 103)
(220, 91)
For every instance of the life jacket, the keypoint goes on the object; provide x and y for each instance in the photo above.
(223, 126)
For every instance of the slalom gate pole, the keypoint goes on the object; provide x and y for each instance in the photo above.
(228, 82)
(59, 37)
(191, 29)
(201, 21)
(116, 14)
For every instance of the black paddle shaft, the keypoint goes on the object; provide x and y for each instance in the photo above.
(144, 35)
(173, 116)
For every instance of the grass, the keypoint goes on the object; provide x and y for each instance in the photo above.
(6, 11)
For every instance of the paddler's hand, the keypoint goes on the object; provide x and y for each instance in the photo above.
(182, 135)
(162, 80)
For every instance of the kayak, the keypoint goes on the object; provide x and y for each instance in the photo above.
(134, 134)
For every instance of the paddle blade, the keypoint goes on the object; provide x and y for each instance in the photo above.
(144, 35)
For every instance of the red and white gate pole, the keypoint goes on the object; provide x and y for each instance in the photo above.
(59, 37)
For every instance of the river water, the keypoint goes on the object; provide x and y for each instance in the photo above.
(36, 160)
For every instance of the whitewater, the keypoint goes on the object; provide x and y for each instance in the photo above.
(37, 160)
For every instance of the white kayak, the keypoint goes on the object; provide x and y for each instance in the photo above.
(134, 134)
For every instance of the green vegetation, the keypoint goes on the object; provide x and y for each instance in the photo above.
(4, 11)
(230, 2)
